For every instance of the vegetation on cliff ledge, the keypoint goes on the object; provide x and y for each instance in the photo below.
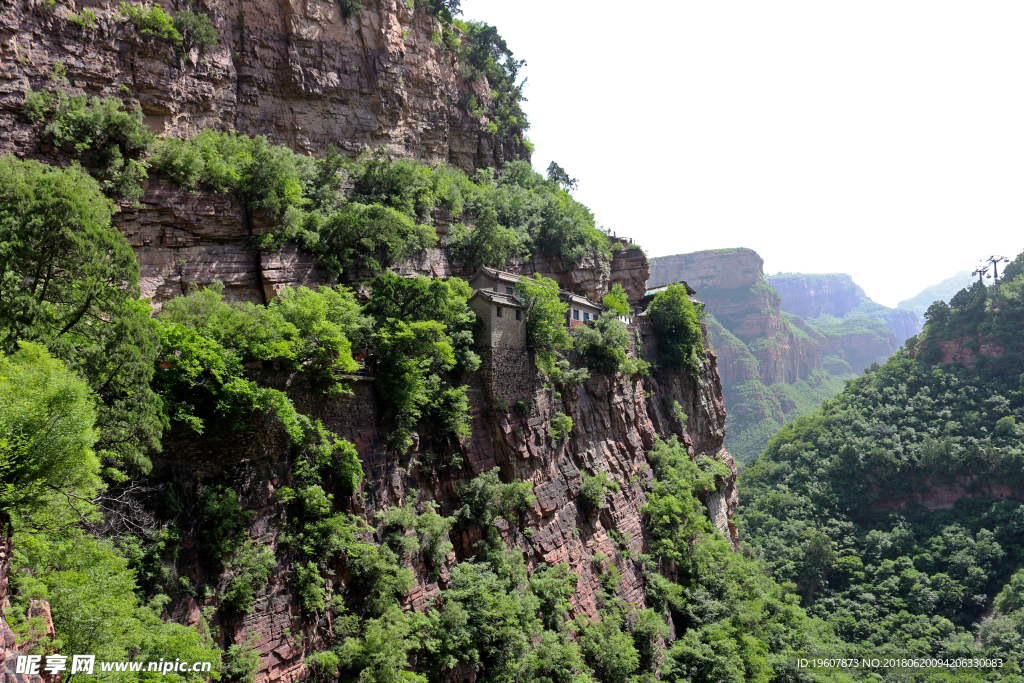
(110, 549)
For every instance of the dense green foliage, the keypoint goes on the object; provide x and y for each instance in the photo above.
(365, 215)
(196, 31)
(70, 282)
(109, 140)
(186, 31)
(838, 505)
(92, 596)
(206, 343)
(545, 314)
(733, 623)
(49, 481)
(423, 336)
(604, 345)
(46, 432)
(677, 322)
(616, 301)
(260, 176)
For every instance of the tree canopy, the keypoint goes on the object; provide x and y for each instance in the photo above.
(677, 323)
(47, 431)
(69, 281)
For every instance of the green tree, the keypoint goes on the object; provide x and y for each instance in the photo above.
(46, 432)
(373, 237)
(616, 300)
(195, 30)
(70, 282)
(108, 139)
(677, 323)
(259, 176)
(325, 322)
(409, 356)
(545, 314)
(488, 243)
(1011, 598)
(92, 596)
(423, 334)
(609, 649)
(200, 381)
(558, 175)
(380, 654)
(604, 345)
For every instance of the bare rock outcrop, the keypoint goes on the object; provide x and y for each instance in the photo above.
(714, 269)
(810, 296)
(631, 269)
(298, 71)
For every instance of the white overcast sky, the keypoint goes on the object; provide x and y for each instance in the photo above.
(884, 139)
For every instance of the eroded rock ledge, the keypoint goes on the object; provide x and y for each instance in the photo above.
(615, 421)
(297, 71)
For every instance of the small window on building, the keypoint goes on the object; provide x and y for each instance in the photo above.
(519, 314)
(586, 316)
(509, 291)
(499, 311)
(575, 314)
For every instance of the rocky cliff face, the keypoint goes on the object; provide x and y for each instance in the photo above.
(615, 421)
(183, 239)
(297, 71)
(306, 76)
(704, 270)
(836, 294)
(731, 284)
(810, 296)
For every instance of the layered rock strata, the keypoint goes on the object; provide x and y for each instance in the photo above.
(186, 239)
(714, 269)
(836, 294)
(761, 350)
(616, 420)
(810, 296)
(297, 71)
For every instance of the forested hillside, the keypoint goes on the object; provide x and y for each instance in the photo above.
(171, 496)
(896, 509)
(347, 482)
(256, 417)
(942, 291)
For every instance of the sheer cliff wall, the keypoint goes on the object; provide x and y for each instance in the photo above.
(297, 71)
(810, 296)
(836, 294)
(616, 420)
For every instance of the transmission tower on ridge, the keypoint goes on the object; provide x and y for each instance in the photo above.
(995, 261)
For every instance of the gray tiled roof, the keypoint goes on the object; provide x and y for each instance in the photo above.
(498, 298)
(690, 291)
(579, 300)
(495, 274)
